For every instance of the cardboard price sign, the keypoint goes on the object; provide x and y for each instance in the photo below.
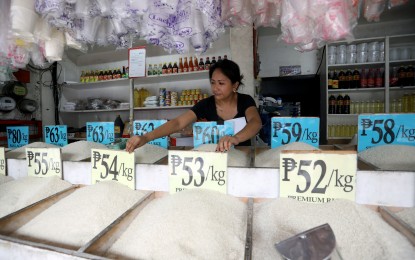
(285, 130)
(56, 134)
(100, 132)
(113, 165)
(194, 169)
(318, 176)
(44, 162)
(142, 127)
(2, 161)
(17, 136)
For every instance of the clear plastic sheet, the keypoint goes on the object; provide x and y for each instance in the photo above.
(373, 9)
(394, 3)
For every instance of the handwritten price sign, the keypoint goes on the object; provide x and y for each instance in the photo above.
(44, 162)
(210, 132)
(285, 130)
(17, 136)
(113, 165)
(56, 134)
(194, 169)
(384, 129)
(2, 161)
(142, 127)
(318, 176)
(100, 132)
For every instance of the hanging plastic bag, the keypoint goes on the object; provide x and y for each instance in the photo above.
(373, 9)
(394, 3)
(55, 46)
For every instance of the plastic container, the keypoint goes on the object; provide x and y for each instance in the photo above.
(373, 46)
(373, 56)
(351, 57)
(341, 48)
(331, 50)
(341, 58)
(361, 47)
(394, 54)
(351, 48)
(331, 59)
(405, 53)
(361, 57)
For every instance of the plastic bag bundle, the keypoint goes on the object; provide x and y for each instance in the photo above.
(55, 46)
(267, 13)
(23, 19)
(373, 9)
(37, 55)
(394, 3)
(238, 12)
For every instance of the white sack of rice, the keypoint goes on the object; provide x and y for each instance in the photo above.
(4, 179)
(80, 150)
(271, 158)
(236, 158)
(360, 233)
(192, 224)
(390, 157)
(17, 194)
(149, 153)
(20, 153)
(408, 216)
(79, 217)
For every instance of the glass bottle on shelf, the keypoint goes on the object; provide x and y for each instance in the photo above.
(155, 70)
(335, 81)
(207, 63)
(352, 107)
(123, 72)
(196, 65)
(399, 107)
(357, 107)
(346, 104)
(393, 78)
(342, 79)
(185, 65)
(82, 78)
(405, 103)
(339, 104)
(191, 64)
(160, 70)
(213, 60)
(329, 80)
(96, 76)
(377, 107)
(379, 78)
(363, 78)
(149, 70)
(356, 78)
(175, 68)
(181, 67)
(169, 68)
(164, 69)
(101, 75)
(394, 106)
(332, 104)
(201, 64)
(348, 79)
(372, 106)
(371, 78)
(410, 80)
(402, 76)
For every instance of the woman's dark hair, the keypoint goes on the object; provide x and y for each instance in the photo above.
(229, 68)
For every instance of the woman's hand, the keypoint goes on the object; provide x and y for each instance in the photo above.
(135, 142)
(226, 142)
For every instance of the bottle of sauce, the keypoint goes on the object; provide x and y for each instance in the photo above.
(335, 81)
(169, 68)
(82, 78)
(342, 79)
(175, 68)
(150, 70)
(346, 104)
(410, 74)
(196, 65)
(164, 69)
(185, 65)
(371, 79)
(91, 76)
(219, 58)
(123, 72)
(181, 66)
(207, 64)
(201, 64)
(402, 76)
(363, 79)
(356, 78)
(225, 57)
(96, 76)
(118, 127)
(213, 60)
(160, 70)
(379, 78)
(190, 64)
(339, 104)
(332, 104)
(101, 75)
(330, 80)
(349, 79)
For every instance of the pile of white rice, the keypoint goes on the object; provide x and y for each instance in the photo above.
(149, 153)
(79, 217)
(390, 157)
(408, 216)
(236, 158)
(80, 150)
(20, 153)
(17, 194)
(271, 158)
(192, 224)
(360, 232)
(4, 179)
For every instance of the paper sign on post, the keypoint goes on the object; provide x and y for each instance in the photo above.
(56, 134)
(384, 129)
(113, 165)
(318, 176)
(210, 132)
(2, 161)
(100, 132)
(285, 130)
(44, 162)
(17, 136)
(141, 127)
(137, 62)
(195, 169)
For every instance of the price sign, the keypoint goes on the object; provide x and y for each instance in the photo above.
(194, 169)
(100, 132)
(113, 165)
(2, 161)
(382, 129)
(17, 136)
(56, 134)
(285, 130)
(44, 162)
(142, 127)
(210, 132)
(318, 176)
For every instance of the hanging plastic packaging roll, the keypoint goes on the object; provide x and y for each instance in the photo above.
(23, 22)
(90, 27)
(373, 9)
(394, 3)
(42, 30)
(20, 57)
(73, 43)
(55, 46)
(36, 54)
(101, 37)
(4, 26)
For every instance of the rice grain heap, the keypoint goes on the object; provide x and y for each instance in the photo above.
(407, 215)
(80, 150)
(192, 224)
(4, 179)
(17, 194)
(20, 153)
(149, 153)
(236, 158)
(80, 216)
(360, 232)
(271, 158)
(390, 157)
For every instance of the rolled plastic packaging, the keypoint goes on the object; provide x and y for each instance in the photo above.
(23, 21)
(90, 28)
(373, 9)
(394, 3)
(271, 16)
(20, 57)
(117, 26)
(37, 56)
(139, 7)
(101, 37)
(42, 30)
(29, 4)
(237, 12)
(105, 6)
(55, 46)
(75, 44)
(49, 7)
(4, 26)
(82, 9)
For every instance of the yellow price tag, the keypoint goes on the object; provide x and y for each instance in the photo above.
(113, 165)
(2, 161)
(195, 169)
(318, 176)
(44, 162)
